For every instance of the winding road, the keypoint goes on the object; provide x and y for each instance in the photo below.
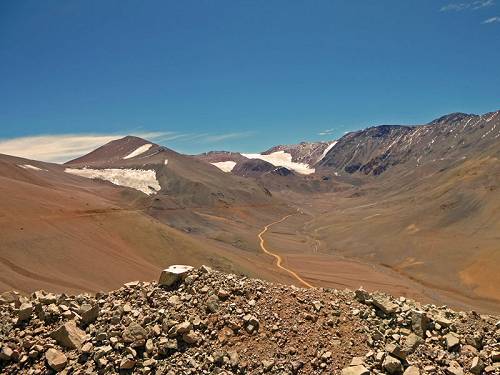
(278, 258)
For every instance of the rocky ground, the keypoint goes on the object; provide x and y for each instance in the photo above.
(201, 321)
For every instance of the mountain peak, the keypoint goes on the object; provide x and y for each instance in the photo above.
(452, 117)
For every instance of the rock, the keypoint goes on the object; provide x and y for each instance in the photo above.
(419, 322)
(183, 327)
(173, 274)
(384, 304)
(56, 359)
(392, 365)
(205, 269)
(87, 348)
(395, 351)
(452, 340)
(6, 353)
(213, 303)
(191, 337)
(495, 356)
(412, 370)
(362, 295)
(356, 361)
(233, 358)
(149, 346)
(25, 311)
(9, 297)
(89, 313)
(317, 305)
(127, 363)
(355, 370)
(441, 320)
(477, 366)
(267, 365)
(454, 369)
(134, 333)
(251, 323)
(411, 342)
(492, 369)
(69, 335)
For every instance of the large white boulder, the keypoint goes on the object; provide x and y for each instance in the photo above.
(173, 274)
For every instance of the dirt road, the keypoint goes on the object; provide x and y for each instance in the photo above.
(278, 258)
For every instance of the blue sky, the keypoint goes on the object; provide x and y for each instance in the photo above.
(202, 75)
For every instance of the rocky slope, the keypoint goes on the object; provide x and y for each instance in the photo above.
(200, 321)
(308, 153)
(446, 141)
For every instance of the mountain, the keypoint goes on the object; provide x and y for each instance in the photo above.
(180, 180)
(443, 142)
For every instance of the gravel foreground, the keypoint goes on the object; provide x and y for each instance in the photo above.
(208, 322)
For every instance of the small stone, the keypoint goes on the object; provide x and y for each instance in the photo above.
(87, 348)
(477, 366)
(69, 335)
(452, 340)
(355, 370)
(56, 359)
(296, 366)
(267, 364)
(362, 295)
(454, 369)
(233, 358)
(495, 356)
(173, 274)
(326, 355)
(317, 305)
(392, 365)
(134, 333)
(25, 311)
(411, 342)
(183, 327)
(384, 304)
(6, 353)
(419, 322)
(223, 294)
(395, 351)
(357, 361)
(412, 370)
(213, 303)
(251, 323)
(149, 346)
(89, 313)
(191, 337)
(127, 363)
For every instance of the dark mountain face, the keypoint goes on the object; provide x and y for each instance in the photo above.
(252, 168)
(444, 141)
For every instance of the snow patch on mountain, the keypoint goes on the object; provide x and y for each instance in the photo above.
(282, 159)
(225, 166)
(330, 146)
(139, 151)
(138, 179)
(29, 166)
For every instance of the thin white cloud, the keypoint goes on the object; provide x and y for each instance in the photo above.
(205, 138)
(327, 132)
(63, 147)
(491, 20)
(482, 4)
(473, 5)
